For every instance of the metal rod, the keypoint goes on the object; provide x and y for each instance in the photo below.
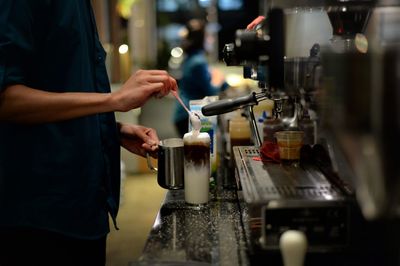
(254, 129)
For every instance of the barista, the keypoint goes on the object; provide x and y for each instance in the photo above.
(57, 120)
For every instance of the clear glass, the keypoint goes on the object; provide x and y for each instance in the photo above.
(196, 167)
(289, 144)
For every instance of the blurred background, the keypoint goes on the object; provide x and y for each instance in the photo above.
(142, 34)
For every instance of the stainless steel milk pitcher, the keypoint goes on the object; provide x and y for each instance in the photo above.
(170, 164)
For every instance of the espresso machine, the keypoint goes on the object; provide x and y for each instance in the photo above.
(345, 194)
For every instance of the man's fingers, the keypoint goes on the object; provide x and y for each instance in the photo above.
(153, 136)
(149, 148)
(157, 72)
(157, 79)
(168, 82)
(173, 84)
(146, 138)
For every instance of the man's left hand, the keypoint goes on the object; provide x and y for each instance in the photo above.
(139, 139)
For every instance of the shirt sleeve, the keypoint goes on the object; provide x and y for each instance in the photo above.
(16, 41)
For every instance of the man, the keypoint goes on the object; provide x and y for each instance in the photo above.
(59, 141)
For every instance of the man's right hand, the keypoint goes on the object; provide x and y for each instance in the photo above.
(141, 86)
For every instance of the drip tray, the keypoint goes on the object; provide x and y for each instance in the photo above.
(280, 197)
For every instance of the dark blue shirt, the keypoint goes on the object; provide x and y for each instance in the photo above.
(63, 176)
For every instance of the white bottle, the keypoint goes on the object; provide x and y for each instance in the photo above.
(196, 167)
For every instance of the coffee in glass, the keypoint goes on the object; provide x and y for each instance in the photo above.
(196, 167)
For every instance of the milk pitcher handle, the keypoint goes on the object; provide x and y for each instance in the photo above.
(151, 167)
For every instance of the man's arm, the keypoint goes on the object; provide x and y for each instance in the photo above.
(21, 104)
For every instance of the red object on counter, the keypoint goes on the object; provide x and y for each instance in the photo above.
(269, 152)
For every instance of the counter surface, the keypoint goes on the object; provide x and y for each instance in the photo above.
(187, 235)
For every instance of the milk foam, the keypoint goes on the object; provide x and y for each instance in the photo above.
(195, 121)
(197, 137)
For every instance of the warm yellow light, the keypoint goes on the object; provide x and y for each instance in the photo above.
(124, 8)
(123, 49)
(234, 80)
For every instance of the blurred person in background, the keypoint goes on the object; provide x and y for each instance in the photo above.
(196, 81)
(59, 141)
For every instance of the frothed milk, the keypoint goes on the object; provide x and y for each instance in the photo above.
(195, 120)
(196, 167)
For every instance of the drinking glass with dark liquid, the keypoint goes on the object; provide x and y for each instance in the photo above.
(289, 144)
(197, 170)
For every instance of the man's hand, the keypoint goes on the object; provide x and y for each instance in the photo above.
(138, 139)
(255, 22)
(141, 86)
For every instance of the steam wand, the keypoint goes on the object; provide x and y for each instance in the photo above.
(228, 105)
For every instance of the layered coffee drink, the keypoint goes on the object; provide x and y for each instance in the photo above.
(196, 167)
